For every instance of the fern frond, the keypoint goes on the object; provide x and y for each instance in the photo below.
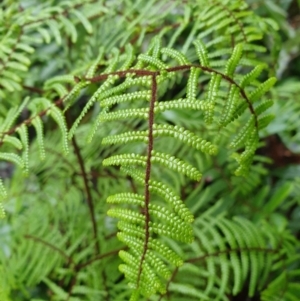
(125, 159)
(153, 61)
(124, 114)
(182, 104)
(202, 53)
(176, 164)
(262, 107)
(23, 132)
(175, 54)
(127, 215)
(38, 125)
(263, 121)
(85, 22)
(126, 137)
(186, 136)
(174, 227)
(16, 159)
(226, 257)
(13, 141)
(165, 192)
(3, 195)
(110, 80)
(212, 95)
(130, 57)
(126, 198)
(230, 106)
(262, 89)
(202, 95)
(192, 85)
(57, 115)
(254, 74)
(243, 135)
(234, 60)
(139, 95)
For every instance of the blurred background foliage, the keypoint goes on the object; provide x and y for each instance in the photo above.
(35, 216)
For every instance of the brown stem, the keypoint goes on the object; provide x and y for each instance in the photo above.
(200, 258)
(148, 174)
(99, 257)
(86, 187)
(49, 245)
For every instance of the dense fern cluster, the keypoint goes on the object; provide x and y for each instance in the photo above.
(158, 108)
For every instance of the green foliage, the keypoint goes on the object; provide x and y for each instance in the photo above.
(134, 128)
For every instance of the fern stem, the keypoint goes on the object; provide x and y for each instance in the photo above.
(225, 77)
(141, 72)
(33, 89)
(99, 257)
(238, 22)
(148, 173)
(51, 246)
(12, 51)
(65, 12)
(86, 186)
(236, 250)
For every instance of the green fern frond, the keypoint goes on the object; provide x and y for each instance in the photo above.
(130, 57)
(165, 192)
(139, 95)
(174, 227)
(201, 96)
(125, 159)
(16, 159)
(124, 114)
(71, 96)
(212, 95)
(176, 55)
(85, 22)
(169, 195)
(262, 89)
(243, 134)
(262, 107)
(192, 85)
(182, 104)
(60, 79)
(13, 141)
(12, 115)
(54, 30)
(110, 80)
(126, 198)
(186, 136)
(3, 195)
(23, 132)
(127, 215)
(126, 137)
(57, 115)
(263, 121)
(234, 60)
(38, 125)
(230, 106)
(176, 164)
(153, 61)
(202, 53)
(254, 74)
(242, 256)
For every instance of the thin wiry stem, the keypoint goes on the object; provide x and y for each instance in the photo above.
(148, 174)
(138, 73)
(215, 254)
(87, 188)
(51, 246)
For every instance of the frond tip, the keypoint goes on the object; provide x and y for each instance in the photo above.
(3, 195)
